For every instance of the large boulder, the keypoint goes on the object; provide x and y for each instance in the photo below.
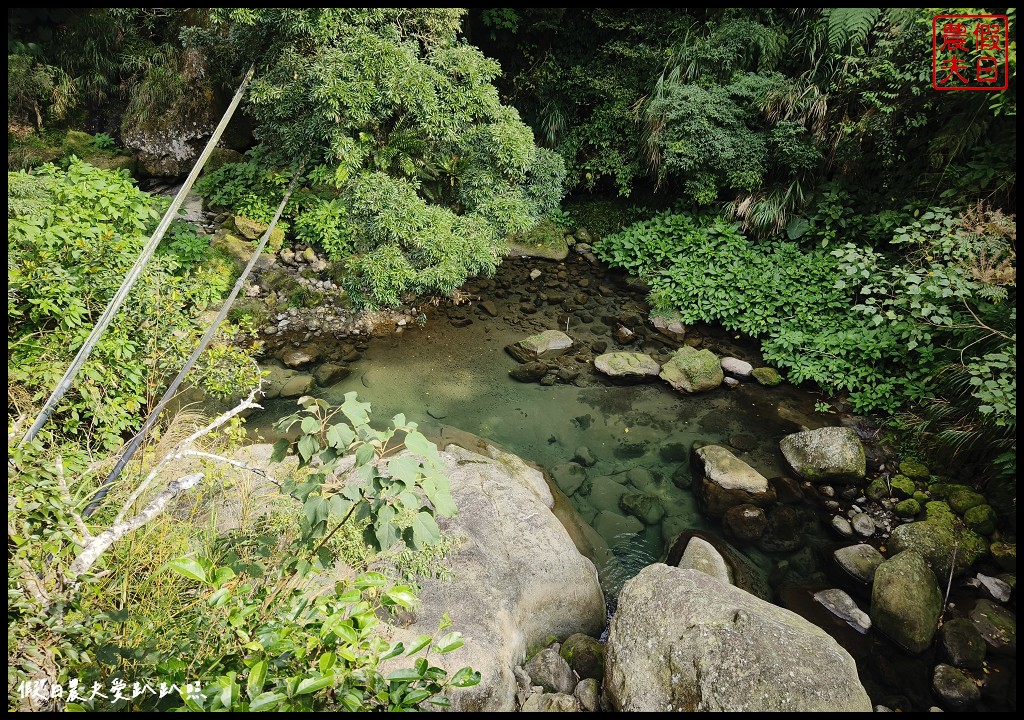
(906, 601)
(518, 578)
(545, 345)
(726, 481)
(683, 641)
(692, 371)
(828, 454)
(627, 366)
(942, 539)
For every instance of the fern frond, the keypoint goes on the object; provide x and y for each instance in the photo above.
(848, 28)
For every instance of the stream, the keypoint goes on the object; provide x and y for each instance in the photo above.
(600, 441)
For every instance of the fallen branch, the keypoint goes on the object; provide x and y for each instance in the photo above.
(177, 452)
(99, 544)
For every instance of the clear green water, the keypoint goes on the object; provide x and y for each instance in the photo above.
(639, 436)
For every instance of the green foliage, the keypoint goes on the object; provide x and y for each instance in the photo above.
(269, 625)
(103, 141)
(326, 224)
(419, 172)
(72, 237)
(799, 301)
(400, 501)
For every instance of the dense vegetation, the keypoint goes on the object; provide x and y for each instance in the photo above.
(791, 172)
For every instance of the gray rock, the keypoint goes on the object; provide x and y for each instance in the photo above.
(859, 561)
(863, 525)
(702, 555)
(550, 702)
(725, 481)
(588, 693)
(682, 641)
(955, 689)
(568, 476)
(993, 587)
(615, 528)
(299, 358)
(737, 368)
(550, 670)
(584, 456)
(330, 373)
(829, 454)
(546, 345)
(644, 508)
(506, 520)
(843, 606)
(745, 522)
(297, 386)
(627, 366)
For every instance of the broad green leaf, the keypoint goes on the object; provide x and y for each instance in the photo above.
(355, 411)
(404, 675)
(404, 468)
(340, 506)
(418, 444)
(257, 677)
(449, 642)
(421, 642)
(326, 661)
(308, 447)
(399, 420)
(400, 595)
(414, 697)
(310, 425)
(311, 685)
(280, 450)
(387, 534)
(424, 530)
(340, 436)
(392, 651)
(466, 677)
(266, 701)
(189, 568)
(364, 454)
(370, 579)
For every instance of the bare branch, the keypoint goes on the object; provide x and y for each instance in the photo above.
(92, 551)
(177, 451)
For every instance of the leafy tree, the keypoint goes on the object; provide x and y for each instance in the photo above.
(422, 173)
(72, 236)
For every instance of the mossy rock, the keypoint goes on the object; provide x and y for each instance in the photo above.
(963, 500)
(253, 229)
(877, 490)
(921, 497)
(220, 157)
(902, 486)
(115, 162)
(585, 656)
(940, 537)
(908, 508)
(767, 376)
(278, 280)
(691, 371)
(545, 240)
(83, 145)
(981, 519)
(1005, 555)
(943, 489)
(255, 311)
(914, 470)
